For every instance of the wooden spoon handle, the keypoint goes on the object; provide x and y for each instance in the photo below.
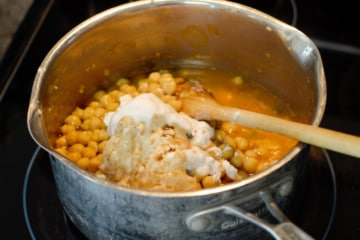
(317, 136)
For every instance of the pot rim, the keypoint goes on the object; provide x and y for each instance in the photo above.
(34, 112)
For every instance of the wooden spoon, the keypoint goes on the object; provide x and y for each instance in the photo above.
(205, 108)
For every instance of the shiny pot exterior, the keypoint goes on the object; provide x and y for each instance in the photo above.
(105, 212)
(196, 38)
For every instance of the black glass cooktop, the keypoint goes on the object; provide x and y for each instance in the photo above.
(30, 207)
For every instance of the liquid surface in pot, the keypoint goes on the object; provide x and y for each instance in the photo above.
(134, 133)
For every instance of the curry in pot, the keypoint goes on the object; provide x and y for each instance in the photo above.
(135, 133)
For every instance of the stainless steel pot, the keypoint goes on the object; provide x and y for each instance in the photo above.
(202, 36)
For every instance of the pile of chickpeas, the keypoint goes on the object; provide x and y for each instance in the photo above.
(83, 135)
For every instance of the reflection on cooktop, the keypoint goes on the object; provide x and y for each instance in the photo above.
(46, 219)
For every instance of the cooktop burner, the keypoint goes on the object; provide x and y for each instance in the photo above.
(46, 219)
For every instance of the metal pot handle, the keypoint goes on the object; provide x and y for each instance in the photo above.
(284, 230)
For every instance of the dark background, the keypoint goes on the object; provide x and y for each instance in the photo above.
(333, 25)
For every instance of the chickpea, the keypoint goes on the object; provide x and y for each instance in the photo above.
(96, 123)
(94, 145)
(121, 82)
(241, 143)
(101, 146)
(102, 135)
(71, 137)
(143, 86)
(219, 135)
(84, 137)
(67, 128)
(209, 181)
(86, 124)
(95, 163)
(73, 120)
(111, 107)
(241, 175)
(250, 164)
(83, 162)
(95, 136)
(166, 77)
(227, 151)
(126, 88)
(154, 77)
(78, 112)
(250, 153)
(94, 104)
(100, 112)
(62, 151)
(74, 156)
(78, 147)
(89, 152)
(230, 141)
(237, 159)
(169, 86)
(115, 94)
(88, 113)
(99, 94)
(61, 142)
